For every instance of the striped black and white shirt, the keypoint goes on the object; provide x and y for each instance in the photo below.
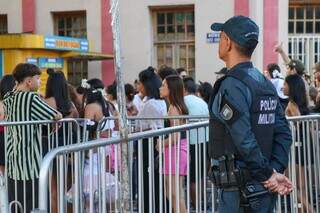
(24, 148)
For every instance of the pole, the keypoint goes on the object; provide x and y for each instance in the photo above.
(123, 127)
(4, 203)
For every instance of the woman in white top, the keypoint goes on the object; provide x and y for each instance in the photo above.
(152, 106)
(273, 73)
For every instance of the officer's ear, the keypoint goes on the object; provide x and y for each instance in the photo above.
(228, 43)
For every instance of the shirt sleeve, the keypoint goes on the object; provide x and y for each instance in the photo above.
(151, 109)
(240, 129)
(281, 143)
(40, 110)
(147, 111)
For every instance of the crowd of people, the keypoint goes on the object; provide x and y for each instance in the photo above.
(156, 93)
(299, 96)
(292, 82)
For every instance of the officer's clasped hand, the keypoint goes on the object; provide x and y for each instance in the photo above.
(278, 183)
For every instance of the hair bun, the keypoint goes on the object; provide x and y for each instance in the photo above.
(147, 74)
(150, 69)
(50, 71)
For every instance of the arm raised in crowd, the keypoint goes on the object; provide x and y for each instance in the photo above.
(284, 56)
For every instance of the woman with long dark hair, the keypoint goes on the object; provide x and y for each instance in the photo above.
(57, 94)
(172, 91)
(294, 88)
(152, 106)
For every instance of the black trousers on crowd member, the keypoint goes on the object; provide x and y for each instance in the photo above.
(29, 188)
(146, 188)
(156, 182)
(2, 150)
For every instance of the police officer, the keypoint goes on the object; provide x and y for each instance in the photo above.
(249, 136)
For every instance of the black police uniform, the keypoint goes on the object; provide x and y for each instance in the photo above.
(249, 134)
(233, 173)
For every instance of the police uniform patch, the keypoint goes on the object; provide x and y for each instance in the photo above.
(226, 112)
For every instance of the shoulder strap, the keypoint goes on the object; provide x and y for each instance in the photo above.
(243, 76)
(215, 90)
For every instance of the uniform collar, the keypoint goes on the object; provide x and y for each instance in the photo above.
(247, 64)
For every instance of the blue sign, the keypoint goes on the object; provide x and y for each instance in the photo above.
(55, 63)
(32, 61)
(213, 37)
(66, 43)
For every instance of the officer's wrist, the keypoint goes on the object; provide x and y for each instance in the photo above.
(269, 172)
(264, 174)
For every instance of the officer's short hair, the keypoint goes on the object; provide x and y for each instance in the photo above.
(189, 85)
(24, 70)
(246, 51)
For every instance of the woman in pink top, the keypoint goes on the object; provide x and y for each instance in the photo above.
(176, 145)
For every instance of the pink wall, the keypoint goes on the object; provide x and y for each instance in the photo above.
(107, 67)
(28, 16)
(270, 33)
(241, 7)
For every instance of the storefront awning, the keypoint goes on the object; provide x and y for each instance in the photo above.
(90, 56)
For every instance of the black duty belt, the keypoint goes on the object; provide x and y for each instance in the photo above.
(225, 175)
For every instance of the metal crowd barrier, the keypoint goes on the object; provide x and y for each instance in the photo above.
(50, 135)
(97, 198)
(140, 148)
(303, 169)
(96, 187)
(149, 159)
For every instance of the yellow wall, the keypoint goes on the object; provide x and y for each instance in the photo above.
(12, 57)
(15, 41)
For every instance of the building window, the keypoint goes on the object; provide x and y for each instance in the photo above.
(304, 17)
(73, 24)
(3, 24)
(174, 38)
(77, 70)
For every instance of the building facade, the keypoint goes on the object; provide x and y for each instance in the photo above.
(304, 32)
(177, 33)
(153, 32)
